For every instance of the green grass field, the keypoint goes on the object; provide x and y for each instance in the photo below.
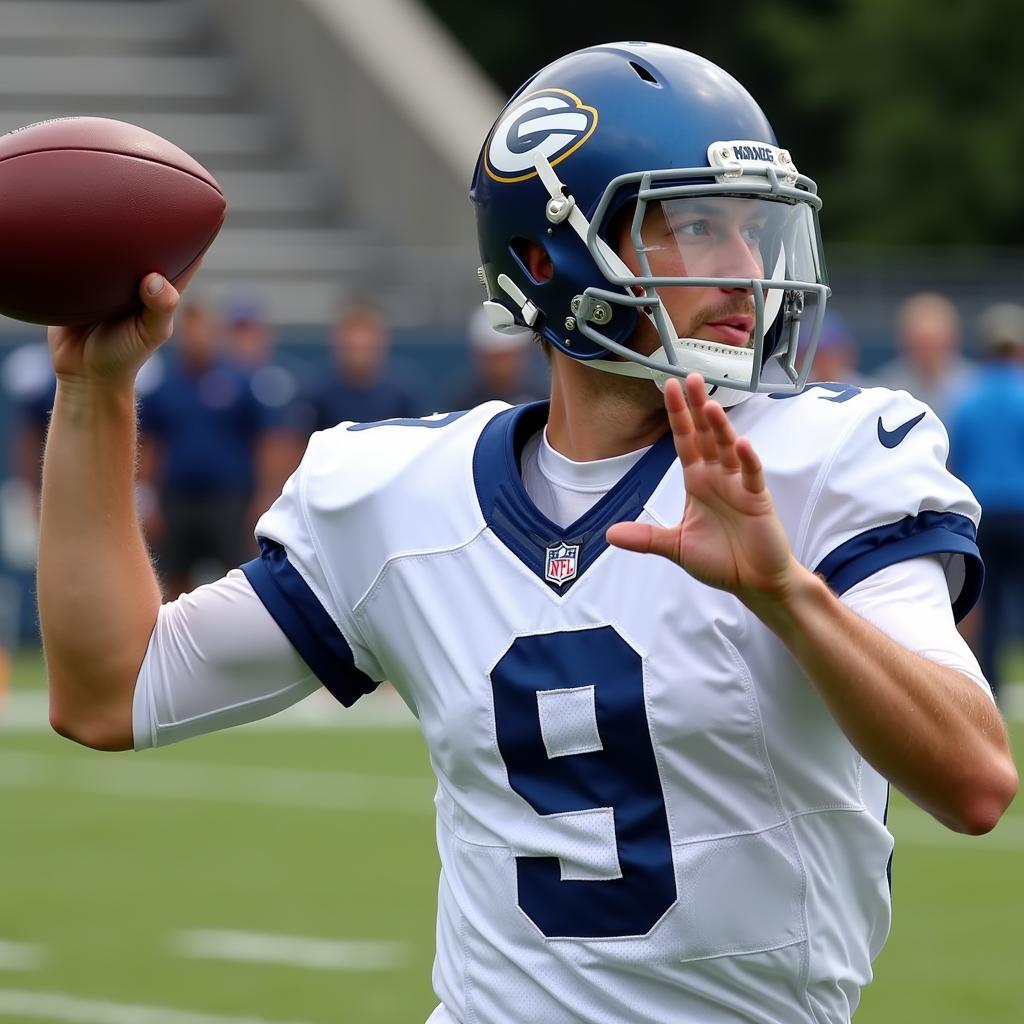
(107, 859)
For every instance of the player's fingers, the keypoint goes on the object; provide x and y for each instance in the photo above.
(645, 538)
(696, 391)
(724, 435)
(681, 422)
(158, 294)
(751, 470)
(159, 300)
(697, 396)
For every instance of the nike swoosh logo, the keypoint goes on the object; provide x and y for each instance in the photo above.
(891, 438)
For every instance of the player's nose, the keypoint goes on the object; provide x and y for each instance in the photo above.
(736, 259)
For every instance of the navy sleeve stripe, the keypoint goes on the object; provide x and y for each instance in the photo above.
(928, 533)
(312, 632)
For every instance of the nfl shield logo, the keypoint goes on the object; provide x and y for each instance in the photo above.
(560, 563)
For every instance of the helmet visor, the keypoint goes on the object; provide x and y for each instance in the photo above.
(733, 244)
(736, 272)
(728, 281)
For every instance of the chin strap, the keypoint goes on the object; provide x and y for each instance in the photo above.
(726, 397)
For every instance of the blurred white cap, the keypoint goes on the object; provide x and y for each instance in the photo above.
(27, 371)
(1001, 327)
(484, 338)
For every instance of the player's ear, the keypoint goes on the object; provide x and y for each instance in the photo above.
(537, 261)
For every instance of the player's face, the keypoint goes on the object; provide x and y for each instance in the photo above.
(199, 336)
(701, 237)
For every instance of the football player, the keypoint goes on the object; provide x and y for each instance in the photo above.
(669, 637)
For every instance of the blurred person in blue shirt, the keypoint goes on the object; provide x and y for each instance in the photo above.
(987, 453)
(502, 367)
(28, 383)
(361, 388)
(201, 430)
(929, 363)
(837, 354)
(277, 385)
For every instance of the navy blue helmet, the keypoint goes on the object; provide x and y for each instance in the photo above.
(645, 172)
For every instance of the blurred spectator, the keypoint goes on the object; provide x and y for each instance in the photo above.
(929, 365)
(28, 387)
(362, 388)
(987, 452)
(29, 383)
(289, 420)
(201, 431)
(250, 335)
(837, 354)
(502, 367)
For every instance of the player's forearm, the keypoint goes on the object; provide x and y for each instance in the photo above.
(940, 741)
(98, 594)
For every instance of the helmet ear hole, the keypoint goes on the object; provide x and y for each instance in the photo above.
(533, 259)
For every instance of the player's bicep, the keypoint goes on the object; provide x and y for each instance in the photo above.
(216, 659)
(910, 602)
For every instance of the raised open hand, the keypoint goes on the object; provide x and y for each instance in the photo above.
(729, 537)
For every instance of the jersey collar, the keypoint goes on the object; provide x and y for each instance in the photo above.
(522, 527)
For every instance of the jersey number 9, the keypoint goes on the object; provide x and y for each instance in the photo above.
(572, 729)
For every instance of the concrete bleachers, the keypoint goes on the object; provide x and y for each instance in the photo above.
(159, 64)
(98, 25)
(303, 226)
(99, 78)
(227, 139)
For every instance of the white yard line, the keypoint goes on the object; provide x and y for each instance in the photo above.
(282, 787)
(912, 827)
(20, 956)
(300, 789)
(289, 950)
(27, 711)
(60, 1006)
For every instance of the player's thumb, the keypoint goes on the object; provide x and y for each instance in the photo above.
(645, 538)
(159, 301)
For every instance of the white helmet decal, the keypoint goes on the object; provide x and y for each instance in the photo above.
(552, 122)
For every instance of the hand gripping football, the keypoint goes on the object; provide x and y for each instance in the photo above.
(88, 207)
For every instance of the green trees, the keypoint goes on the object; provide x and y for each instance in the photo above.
(909, 113)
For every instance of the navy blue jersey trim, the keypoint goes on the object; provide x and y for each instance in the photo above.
(885, 821)
(407, 421)
(311, 631)
(519, 524)
(927, 533)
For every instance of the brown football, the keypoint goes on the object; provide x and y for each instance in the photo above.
(88, 207)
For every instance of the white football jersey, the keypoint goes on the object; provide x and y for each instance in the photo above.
(644, 810)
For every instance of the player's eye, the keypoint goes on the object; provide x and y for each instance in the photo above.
(754, 231)
(695, 228)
